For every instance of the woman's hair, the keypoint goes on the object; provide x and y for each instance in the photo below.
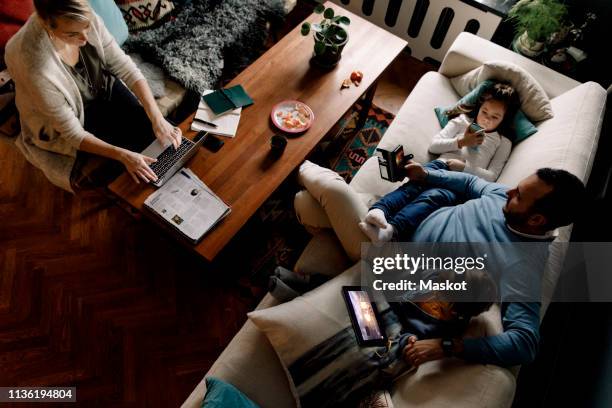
(478, 297)
(51, 10)
(500, 91)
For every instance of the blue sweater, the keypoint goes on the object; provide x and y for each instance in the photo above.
(480, 219)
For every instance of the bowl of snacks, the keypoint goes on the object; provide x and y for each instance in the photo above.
(292, 116)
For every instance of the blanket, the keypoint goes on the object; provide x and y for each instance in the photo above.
(208, 40)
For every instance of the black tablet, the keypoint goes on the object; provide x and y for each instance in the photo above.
(364, 316)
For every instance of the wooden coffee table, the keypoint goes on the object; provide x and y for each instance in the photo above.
(243, 173)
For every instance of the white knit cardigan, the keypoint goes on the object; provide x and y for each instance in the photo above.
(49, 102)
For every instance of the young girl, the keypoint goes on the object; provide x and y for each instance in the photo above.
(484, 154)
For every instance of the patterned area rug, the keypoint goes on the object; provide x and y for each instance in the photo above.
(274, 236)
(361, 143)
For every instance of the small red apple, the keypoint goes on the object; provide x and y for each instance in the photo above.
(356, 77)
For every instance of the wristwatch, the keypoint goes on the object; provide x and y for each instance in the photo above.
(447, 346)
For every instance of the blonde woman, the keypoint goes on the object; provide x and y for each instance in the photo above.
(70, 78)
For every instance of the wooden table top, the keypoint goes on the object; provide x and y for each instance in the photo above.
(242, 173)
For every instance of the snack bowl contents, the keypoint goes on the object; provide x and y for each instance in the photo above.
(292, 116)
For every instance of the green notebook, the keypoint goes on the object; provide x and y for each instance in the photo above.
(225, 100)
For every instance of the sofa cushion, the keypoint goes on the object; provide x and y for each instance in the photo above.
(567, 141)
(323, 254)
(450, 383)
(534, 101)
(522, 128)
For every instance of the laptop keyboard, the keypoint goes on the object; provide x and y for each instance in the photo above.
(169, 157)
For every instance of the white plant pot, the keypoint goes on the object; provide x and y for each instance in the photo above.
(526, 46)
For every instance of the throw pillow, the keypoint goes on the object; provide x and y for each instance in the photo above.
(521, 125)
(220, 394)
(140, 14)
(300, 329)
(534, 101)
(113, 20)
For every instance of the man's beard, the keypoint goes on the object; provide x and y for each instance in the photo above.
(515, 219)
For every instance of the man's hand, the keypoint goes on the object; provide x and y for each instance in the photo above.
(415, 172)
(421, 351)
(455, 164)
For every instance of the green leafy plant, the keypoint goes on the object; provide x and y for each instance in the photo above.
(539, 18)
(330, 33)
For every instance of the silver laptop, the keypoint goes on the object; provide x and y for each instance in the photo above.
(171, 160)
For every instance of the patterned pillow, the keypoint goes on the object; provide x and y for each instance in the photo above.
(141, 14)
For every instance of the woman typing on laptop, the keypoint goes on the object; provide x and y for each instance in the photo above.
(69, 77)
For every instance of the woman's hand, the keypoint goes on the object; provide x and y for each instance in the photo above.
(470, 138)
(455, 164)
(421, 351)
(166, 133)
(138, 166)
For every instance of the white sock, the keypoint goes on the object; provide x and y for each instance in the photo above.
(377, 235)
(377, 218)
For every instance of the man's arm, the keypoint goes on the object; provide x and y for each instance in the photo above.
(467, 185)
(518, 344)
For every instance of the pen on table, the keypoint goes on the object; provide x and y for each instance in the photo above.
(205, 122)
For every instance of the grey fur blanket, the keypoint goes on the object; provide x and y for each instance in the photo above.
(208, 40)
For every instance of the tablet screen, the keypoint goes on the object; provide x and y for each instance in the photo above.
(364, 315)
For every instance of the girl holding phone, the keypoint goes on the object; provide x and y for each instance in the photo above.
(470, 142)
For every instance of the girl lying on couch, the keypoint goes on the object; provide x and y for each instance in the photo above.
(340, 373)
(483, 153)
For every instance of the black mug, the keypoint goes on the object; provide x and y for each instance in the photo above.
(277, 144)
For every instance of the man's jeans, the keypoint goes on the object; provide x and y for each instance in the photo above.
(406, 207)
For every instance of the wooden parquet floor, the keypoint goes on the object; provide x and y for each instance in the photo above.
(92, 298)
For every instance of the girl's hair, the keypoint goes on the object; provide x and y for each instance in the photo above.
(51, 10)
(500, 91)
(479, 296)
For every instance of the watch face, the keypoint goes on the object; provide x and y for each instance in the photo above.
(447, 346)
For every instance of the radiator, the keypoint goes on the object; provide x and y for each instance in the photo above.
(429, 26)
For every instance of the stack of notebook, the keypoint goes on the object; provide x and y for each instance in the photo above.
(221, 108)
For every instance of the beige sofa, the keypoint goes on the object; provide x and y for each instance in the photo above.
(569, 141)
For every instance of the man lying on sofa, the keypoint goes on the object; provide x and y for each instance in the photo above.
(530, 212)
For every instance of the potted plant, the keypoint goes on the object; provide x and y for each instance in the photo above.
(330, 36)
(536, 21)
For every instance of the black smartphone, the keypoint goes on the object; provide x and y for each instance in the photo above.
(364, 317)
(213, 143)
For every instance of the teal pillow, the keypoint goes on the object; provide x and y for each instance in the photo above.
(521, 126)
(112, 17)
(220, 394)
